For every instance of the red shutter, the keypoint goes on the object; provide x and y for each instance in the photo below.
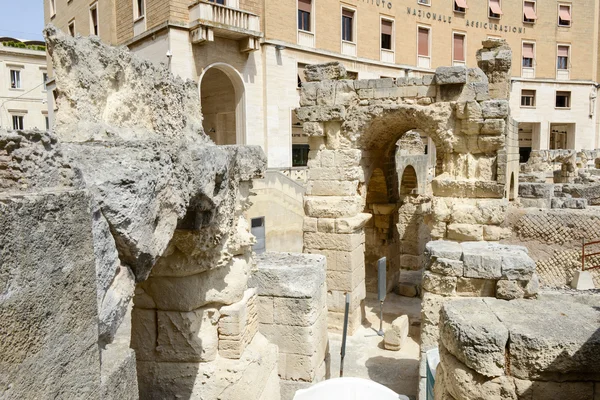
(423, 42)
(459, 47)
(305, 5)
(527, 50)
(386, 27)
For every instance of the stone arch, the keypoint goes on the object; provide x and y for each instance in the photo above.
(409, 181)
(238, 97)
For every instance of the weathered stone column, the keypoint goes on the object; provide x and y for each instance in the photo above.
(293, 315)
(334, 227)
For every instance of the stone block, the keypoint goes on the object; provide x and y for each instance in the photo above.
(463, 382)
(336, 299)
(532, 287)
(470, 331)
(331, 188)
(490, 143)
(288, 274)
(582, 280)
(333, 206)
(335, 321)
(266, 310)
(310, 224)
(225, 285)
(313, 128)
(324, 72)
(517, 265)
(494, 108)
(493, 127)
(48, 307)
(345, 281)
(509, 290)
(144, 333)
(395, 336)
(536, 190)
(464, 232)
(446, 266)
(473, 287)
(444, 249)
(238, 316)
(299, 312)
(333, 241)
(495, 233)
(187, 336)
(348, 158)
(439, 284)
(352, 224)
(326, 225)
(303, 340)
(482, 264)
(336, 174)
(321, 113)
(450, 75)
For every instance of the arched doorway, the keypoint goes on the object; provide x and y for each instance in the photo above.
(223, 104)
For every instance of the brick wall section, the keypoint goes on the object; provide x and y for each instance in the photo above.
(124, 20)
(554, 238)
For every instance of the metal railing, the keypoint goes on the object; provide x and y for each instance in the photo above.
(584, 244)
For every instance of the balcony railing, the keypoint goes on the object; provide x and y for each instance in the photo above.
(210, 19)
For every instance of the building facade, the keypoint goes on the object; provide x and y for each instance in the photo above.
(248, 56)
(23, 75)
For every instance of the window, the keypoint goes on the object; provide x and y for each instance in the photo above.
(423, 42)
(495, 11)
(460, 6)
(52, 8)
(221, 2)
(458, 51)
(94, 19)
(527, 98)
(47, 123)
(564, 15)
(140, 8)
(45, 80)
(562, 60)
(17, 121)
(299, 155)
(257, 228)
(424, 2)
(387, 28)
(529, 15)
(351, 75)
(304, 10)
(347, 25)
(72, 28)
(528, 55)
(15, 79)
(563, 99)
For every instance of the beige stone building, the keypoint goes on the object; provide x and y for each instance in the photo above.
(23, 77)
(248, 57)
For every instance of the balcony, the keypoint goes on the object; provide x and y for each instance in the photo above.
(208, 20)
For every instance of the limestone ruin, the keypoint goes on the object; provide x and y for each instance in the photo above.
(127, 268)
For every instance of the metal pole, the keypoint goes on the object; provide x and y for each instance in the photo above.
(382, 289)
(343, 350)
(583, 254)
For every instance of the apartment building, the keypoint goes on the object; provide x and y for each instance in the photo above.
(23, 75)
(248, 56)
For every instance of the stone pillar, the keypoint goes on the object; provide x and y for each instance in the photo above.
(334, 227)
(293, 314)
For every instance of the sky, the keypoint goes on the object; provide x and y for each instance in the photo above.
(22, 19)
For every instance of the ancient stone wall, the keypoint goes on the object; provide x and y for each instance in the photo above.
(522, 349)
(366, 180)
(554, 239)
(131, 196)
(293, 315)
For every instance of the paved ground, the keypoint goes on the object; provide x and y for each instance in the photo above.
(365, 355)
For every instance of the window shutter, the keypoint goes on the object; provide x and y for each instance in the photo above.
(459, 47)
(527, 50)
(386, 27)
(423, 42)
(305, 5)
(563, 51)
